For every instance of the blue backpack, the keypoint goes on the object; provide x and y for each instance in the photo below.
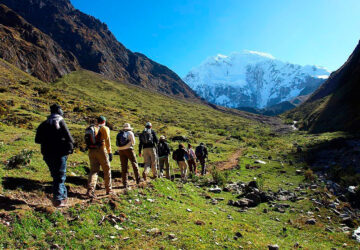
(122, 138)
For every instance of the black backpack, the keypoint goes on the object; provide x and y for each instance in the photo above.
(147, 137)
(122, 138)
(175, 155)
(200, 151)
(163, 149)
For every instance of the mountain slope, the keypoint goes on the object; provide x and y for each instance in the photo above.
(335, 105)
(252, 79)
(95, 47)
(31, 50)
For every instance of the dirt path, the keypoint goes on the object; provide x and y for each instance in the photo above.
(231, 163)
(76, 194)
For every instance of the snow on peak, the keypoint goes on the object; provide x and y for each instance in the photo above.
(253, 79)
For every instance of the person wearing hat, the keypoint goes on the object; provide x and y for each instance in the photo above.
(148, 142)
(56, 144)
(125, 140)
(100, 156)
(163, 153)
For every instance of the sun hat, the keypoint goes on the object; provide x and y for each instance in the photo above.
(148, 124)
(127, 126)
(162, 137)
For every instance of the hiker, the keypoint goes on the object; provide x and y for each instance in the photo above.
(97, 138)
(192, 159)
(201, 155)
(125, 140)
(164, 152)
(56, 144)
(148, 142)
(180, 156)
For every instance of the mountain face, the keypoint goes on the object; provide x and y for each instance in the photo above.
(335, 105)
(92, 45)
(31, 50)
(252, 79)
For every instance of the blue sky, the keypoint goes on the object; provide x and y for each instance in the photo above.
(182, 33)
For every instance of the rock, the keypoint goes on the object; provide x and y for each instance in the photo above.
(238, 234)
(170, 198)
(126, 238)
(199, 223)
(253, 184)
(273, 247)
(329, 229)
(310, 222)
(265, 211)
(117, 227)
(291, 163)
(298, 171)
(230, 217)
(214, 201)
(215, 190)
(188, 210)
(154, 231)
(297, 245)
(171, 236)
(254, 199)
(348, 222)
(260, 162)
(269, 157)
(356, 234)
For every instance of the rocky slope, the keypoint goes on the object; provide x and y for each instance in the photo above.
(252, 79)
(95, 47)
(335, 105)
(31, 50)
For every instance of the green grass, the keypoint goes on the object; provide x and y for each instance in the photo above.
(84, 95)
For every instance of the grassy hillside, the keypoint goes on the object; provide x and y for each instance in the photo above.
(165, 214)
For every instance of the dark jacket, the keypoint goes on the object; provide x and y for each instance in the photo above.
(204, 150)
(163, 149)
(180, 154)
(55, 138)
(149, 145)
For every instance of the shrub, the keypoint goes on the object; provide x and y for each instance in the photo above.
(309, 175)
(21, 159)
(220, 178)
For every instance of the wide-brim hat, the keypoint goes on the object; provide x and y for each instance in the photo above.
(127, 126)
(162, 137)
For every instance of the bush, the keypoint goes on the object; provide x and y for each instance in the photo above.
(21, 159)
(309, 175)
(220, 178)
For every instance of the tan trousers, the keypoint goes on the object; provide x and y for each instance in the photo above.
(127, 155)
(164, 162)
(149, 155)
(99, 157)
(183, 168)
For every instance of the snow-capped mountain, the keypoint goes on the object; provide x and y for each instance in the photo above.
(252, 79)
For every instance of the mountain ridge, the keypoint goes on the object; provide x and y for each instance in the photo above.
(252, 79)
(96, 48)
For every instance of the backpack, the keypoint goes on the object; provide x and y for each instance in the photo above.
(147, 137)
(175, 155)
(163, 149)
(122, 138)
(91, 137)
(200, 152)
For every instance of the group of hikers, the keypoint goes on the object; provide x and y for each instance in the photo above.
(57, 143)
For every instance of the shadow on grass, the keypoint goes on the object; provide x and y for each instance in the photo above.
(9, 204)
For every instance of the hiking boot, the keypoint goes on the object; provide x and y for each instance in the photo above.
(91, 194)
(63, 203)
(56, 203)
(110, 192)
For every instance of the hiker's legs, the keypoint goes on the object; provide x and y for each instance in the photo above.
(124, 167)
(147, 161)
(57, 167)
(94, 170)
(203, 165)
(153, 157)
(183, 168)
(161, 165)
(132, 157)
(192, 166)
(167, 168)
(105, 165)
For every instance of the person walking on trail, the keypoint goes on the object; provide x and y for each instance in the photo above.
(125, 140)
(56, 144)
(148, 142)
(202, 155)
(192, 159)
(97, 138)
(163, 153)
(180, 156)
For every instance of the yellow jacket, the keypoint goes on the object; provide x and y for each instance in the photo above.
(104, 137)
